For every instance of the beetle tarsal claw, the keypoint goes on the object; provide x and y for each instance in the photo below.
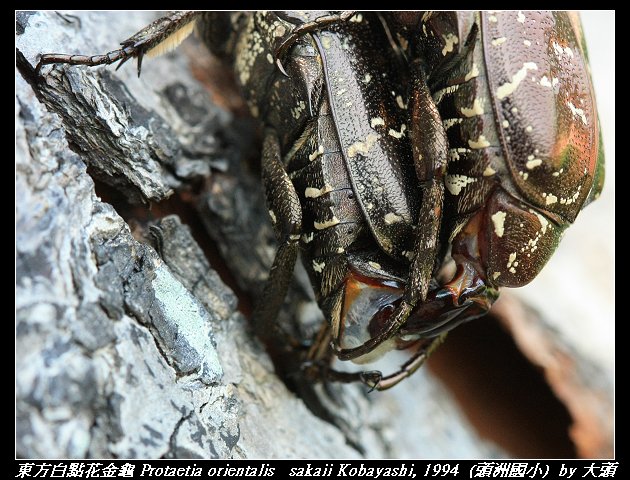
(371, 378)
(281, 67)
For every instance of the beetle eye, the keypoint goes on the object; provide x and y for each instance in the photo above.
(368, 304)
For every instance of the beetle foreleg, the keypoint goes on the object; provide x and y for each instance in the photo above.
(162, 35)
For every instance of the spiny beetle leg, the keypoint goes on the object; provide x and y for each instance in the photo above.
(162, 35)
(429, 145)
(320, 370)
(413, 364)
(286, 214)
(317, 24)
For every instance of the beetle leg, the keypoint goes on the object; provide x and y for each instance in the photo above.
(286, 214)
(160, 36)
(409, 367)
(317, 365)
(430, 153)
(308, 27)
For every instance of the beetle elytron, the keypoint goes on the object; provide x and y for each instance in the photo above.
(395, 142)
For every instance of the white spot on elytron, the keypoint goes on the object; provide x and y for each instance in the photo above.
(172, 41)
(511, 260)
(326, 223)
(543, 221)
(318, 267)
(341, 91)
(549, 199)
(449, 122)
(492, 18)
(505, 124)
(529, 129)
(377, 121)
(273, 216)
(498, 219)
(554, 82)
(340, 249)
(454, 152)
(559, 50)
(307, 237)
(509, 87)
(392, 218)
(312, 192)
(279, 31)
(569, 201)
(348, 104)
(403, 41)
(326, 42)
(525, 175)
(426, 15)
(424, 29)
(512, 270)
(316, 153)
(476, 109)
(489, 171)
(369, 206)
(269, 58)
(400, 102)
(498, 41)
(514, 110)
(495, 275)
(481, 142)
(298, 109)
(577, 112)
(294, 237)
(362, 147)
(367, 78)
(374, 265)
(357, 18)
(520, 17)
(455, 183)
(396, 134)
(451, 40)
(544, 81)
(439, 95)
(474, 72)
(555, 174)
(527, 43)
(535, 162)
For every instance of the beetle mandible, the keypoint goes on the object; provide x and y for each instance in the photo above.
(378, 170)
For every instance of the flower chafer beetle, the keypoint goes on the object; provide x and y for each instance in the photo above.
(479, 141)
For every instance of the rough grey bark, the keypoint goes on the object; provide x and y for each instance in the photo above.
(128, 343)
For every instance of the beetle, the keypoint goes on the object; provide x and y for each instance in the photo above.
(515, 96)
(379, 170)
